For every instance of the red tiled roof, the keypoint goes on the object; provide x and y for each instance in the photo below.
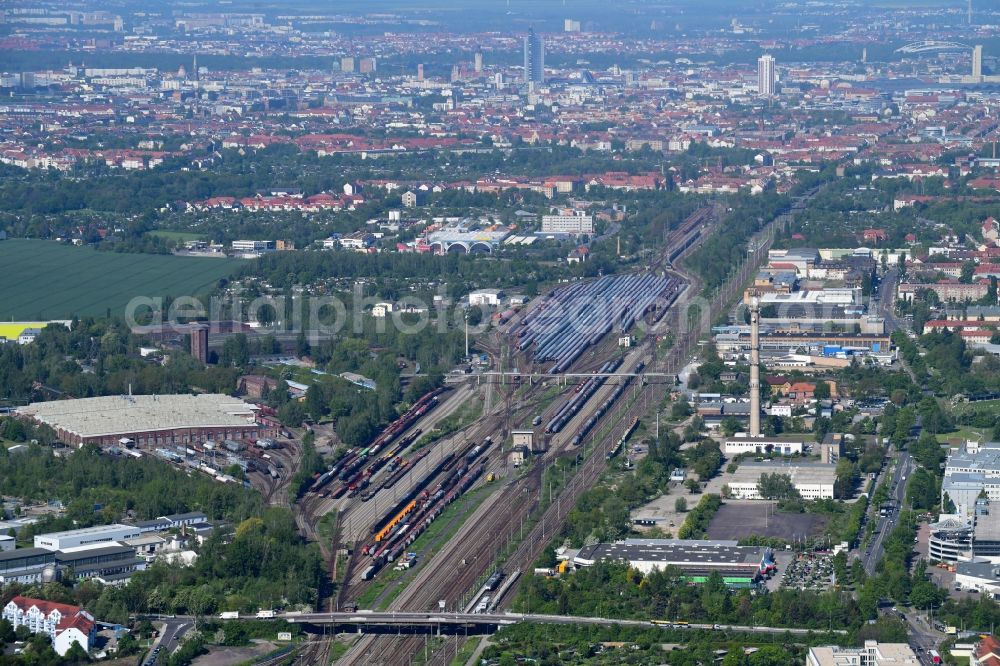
(73, 617)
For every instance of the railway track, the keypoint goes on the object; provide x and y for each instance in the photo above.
(452, 576)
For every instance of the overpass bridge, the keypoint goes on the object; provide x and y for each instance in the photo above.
(405, 622)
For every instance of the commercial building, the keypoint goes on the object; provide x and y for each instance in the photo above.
(981, 576)
(113, 564)
(765, 75)
(27, 566)
(736, 341)
(950, 539)
(87, 536)
(458, 240)
(739, 566)
(64, 624)
(977, 61)
(872, 654)
(253, 245)
(150, 420)
(534, 58)
(577, 223)
(488, 297)
(742, 442)
(812, 481)
(970, 471)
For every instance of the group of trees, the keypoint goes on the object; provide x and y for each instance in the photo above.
(612, 589)
(98, 358)
(697, 521)
(720, 254)
(553, 645)
(776, 486)
(263, 562)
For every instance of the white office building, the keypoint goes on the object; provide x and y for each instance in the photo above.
(87, 536)
(577, 223)
(973, 469)
(812, 482)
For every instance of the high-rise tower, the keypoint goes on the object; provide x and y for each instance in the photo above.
(977, 61)
(534, 58)
(765, 75)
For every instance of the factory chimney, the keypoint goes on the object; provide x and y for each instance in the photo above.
(754, 364)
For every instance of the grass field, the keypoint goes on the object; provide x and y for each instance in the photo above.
(48, 280)
(964, 433)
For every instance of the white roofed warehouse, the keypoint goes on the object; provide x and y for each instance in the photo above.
(739, 566)
(150, 420)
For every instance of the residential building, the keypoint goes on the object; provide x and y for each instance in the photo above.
(986, 652)
(946, 290)
(765, 75)
(64, 624)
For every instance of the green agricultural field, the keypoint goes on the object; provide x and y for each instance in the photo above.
(49, 280)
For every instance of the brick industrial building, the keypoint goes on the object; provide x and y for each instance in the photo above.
(151, 420)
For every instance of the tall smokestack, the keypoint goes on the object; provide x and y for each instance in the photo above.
(754, 365)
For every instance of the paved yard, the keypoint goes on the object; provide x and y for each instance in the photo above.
(738, 519)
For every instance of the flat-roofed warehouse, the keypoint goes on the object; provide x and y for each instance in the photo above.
(150, 420)
(696, 559)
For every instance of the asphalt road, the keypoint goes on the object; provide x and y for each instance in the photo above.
(885, 302)
(897, 490)
(922, 637)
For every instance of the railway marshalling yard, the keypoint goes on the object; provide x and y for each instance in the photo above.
(512, 515)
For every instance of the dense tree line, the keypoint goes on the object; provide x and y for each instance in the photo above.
(696, 524)
(98, 358)
(720, 254)
(263, 562)
(611, 589)
(554, 645)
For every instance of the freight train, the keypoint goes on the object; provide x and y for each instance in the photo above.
(348, 466)
(581, 396)
(589, 424)
(417, 517)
